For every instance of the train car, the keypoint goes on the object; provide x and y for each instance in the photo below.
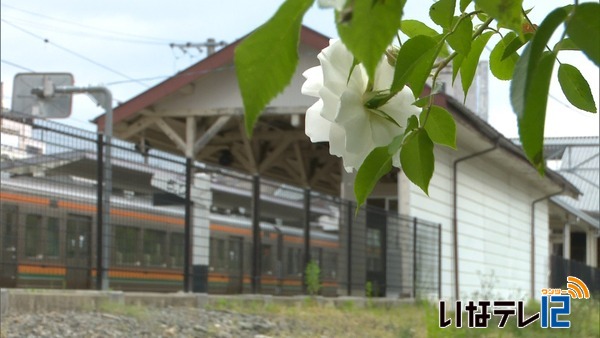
(48, 240)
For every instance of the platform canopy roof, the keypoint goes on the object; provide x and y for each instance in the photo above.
(198, 113)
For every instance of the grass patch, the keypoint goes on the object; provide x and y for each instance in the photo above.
(312, 319)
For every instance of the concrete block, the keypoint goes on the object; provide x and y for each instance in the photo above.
(202, 300)
(4, 302)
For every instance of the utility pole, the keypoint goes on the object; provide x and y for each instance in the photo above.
(210, 45)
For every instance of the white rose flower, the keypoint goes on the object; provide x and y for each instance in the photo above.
(340, 116)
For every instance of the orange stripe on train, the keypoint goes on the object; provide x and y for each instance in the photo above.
(23, 198)
(42, 270)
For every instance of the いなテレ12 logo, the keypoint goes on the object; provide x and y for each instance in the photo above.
(555, 306)
(576, 289)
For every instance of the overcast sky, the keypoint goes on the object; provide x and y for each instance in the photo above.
(124, 45)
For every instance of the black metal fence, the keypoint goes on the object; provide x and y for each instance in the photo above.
(561, 268)
(52, 215)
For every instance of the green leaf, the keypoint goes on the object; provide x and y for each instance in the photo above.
(506, 12)
(411, 124)
(265, 61)
(576, 88)
(470, 63)
(413, 28)
(456, 63)
(442, 13)
(528, 62)
(518, 85)
(565, 44)
(503, 68)
(417, 160)
(460, 39)
(583, 29)
(413, 56)
(515, 44)
(396, 143)
(464, 4)
(440, 126)
(377, 164)
(531, 123)
(370, 30)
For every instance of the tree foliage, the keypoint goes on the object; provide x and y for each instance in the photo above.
(266, 61)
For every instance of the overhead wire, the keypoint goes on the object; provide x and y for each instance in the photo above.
(103, 30)
(16, 65)
(75, 53)
(70, 31)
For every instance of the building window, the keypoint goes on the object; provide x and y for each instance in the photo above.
(33, 150)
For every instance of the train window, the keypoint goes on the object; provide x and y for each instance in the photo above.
(331, 262)
(217, 254)
(294, 261)
(8, 226)
(290, 261)
(316, 255)
(126, 239)
(176, 249)
(78, 231)
(52, 237)
(154, 247)
(266, 259)
(33, 235)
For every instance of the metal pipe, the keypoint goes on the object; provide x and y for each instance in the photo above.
(532, 238)
(455, 213)
(103, 98)
(414, 258)
(306, 236)
(349, 267)
(99, 211)
(439, 261)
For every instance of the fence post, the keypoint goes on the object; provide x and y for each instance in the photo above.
(415, 257)
(100, 271)
(349, 225)
(187, 244)
(256, 252)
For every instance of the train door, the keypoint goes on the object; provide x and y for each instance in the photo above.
(78, 252)
(8, 249)
(376, 245)
(235, 265)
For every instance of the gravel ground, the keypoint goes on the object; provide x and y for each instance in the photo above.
(167, 322)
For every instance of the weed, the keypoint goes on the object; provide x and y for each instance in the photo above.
(369, 289)
(312, 278)
(347, 306)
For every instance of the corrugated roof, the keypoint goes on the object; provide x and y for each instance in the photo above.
(579, 163)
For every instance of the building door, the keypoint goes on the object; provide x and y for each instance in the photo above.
(235, 266)
(78, 252)
(376, 246)
(8, 246)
